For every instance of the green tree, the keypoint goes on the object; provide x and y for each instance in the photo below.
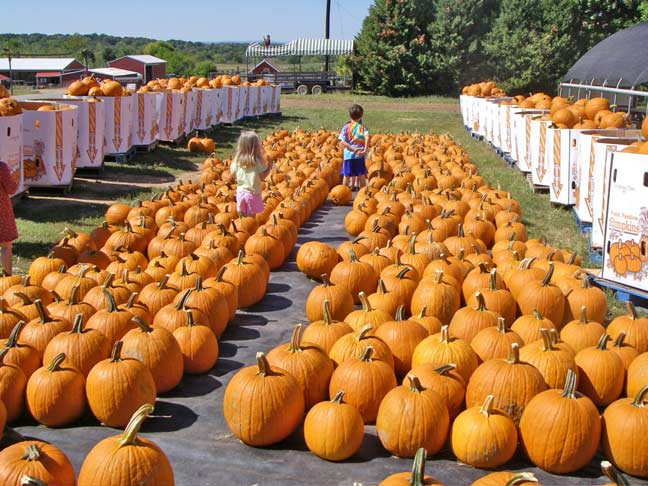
(456, 42)
(392, 54)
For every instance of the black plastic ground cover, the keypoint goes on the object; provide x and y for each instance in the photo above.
(188, 423)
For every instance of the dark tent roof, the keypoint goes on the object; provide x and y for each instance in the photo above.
(621, 57)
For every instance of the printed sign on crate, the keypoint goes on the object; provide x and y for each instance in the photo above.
(230, 103)
(145, 123)
(118, 137)
(603, 150)
(11, 147)
(92, 124)
(170, 112)
(205, 113)
(590, 169)
(540, 173)
(625, 256)
(189, 111)
(275, 105)
(49, 144)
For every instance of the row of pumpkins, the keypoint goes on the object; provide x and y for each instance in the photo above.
(460, 307)
(582, 114)
(112, 318)
(88, 86)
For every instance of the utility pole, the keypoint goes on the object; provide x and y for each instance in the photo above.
(7, 52)
(327, 32)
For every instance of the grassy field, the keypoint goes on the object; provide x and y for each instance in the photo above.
(41, 219)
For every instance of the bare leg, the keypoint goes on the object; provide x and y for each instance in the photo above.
(345, 180)
(6, 257)
(362, 181)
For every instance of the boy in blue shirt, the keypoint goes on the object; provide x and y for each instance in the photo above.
(354, 137)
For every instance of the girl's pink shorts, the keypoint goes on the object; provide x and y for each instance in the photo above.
(248, 203)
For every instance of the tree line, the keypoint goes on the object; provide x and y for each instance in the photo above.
(415, 47)
(183, 57)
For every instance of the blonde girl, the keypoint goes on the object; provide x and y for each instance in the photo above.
(249, 167)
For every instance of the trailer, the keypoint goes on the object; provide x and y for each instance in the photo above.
(313, 82)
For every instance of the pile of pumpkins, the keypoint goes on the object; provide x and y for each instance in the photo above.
(89, 86)
(198, 144)
(111, 318)
(484, 89)
(8, 105)
(187, 84)
(495, 338)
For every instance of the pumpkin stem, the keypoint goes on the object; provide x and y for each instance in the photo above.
(27, 480)
(487, 406)
(111, 307)
(109, 279)
(418, 468)
(352, 256)
(32, 453)
(445, 335)
(400, 313)
(366, 354)
(130, 433)
(381, 287)
(25, 299)
(415, 384)
(219, 275)
(537, 314)
(338, 397)
(239, 259)
(115, 355)
(438, 276)
(601, 344)
(77, 326)
(501, 325)
(443, 369)
(632, 312)
(263, 365)
(12, 340)
(363, 331)
(401, 274)
(547, 343)
(548, 275)
(295, 339)
(514, 354)
(142, 324)
(569, 390)
(183, 300)
(640, 397)
(190, 320)
(131, 300)
(58, 359)
(421, 313)
(521, 478)
(42, 313)
(481, 303)
(612, 474)
(366, 306)
(583, 315)
(162, 283)
(619, 341)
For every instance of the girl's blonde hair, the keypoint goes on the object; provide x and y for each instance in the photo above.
(247, 149)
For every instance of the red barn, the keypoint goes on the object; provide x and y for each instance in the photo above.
(264, 67)
(150, 67)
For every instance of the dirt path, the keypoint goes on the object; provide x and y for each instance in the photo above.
(314, 102)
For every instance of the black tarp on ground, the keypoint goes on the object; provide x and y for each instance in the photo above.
(621, 57)
(188, 423)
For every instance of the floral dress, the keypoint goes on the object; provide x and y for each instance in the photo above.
(8, 186)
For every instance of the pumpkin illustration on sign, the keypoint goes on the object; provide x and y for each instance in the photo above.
(625, 257)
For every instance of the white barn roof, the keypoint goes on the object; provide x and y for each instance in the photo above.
(143, 58)
(115, 72)
(302, 47)
(36, 63)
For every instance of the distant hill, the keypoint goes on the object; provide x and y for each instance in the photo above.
(183, 57)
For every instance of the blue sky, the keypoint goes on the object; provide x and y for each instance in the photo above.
(195, 20)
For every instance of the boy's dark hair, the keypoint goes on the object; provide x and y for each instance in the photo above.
(356, 112)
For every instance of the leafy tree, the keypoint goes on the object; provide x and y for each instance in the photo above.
(203, 68)
(392, 51)
(456, 42)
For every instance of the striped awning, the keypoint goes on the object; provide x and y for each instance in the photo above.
(302, 47)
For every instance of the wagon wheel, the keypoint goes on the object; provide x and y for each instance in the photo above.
(316, 90)
(302, 89)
